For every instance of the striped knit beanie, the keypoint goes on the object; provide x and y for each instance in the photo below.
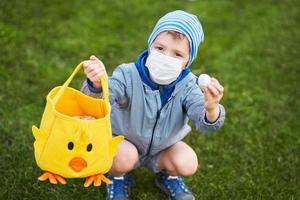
(182, 22)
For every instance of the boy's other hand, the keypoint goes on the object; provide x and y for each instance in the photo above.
(94, 69)
(213, 94)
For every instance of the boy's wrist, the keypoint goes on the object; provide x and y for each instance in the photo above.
(92, 87)
(212, 115)
(96, 85)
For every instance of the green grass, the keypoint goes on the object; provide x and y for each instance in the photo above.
(252, 47)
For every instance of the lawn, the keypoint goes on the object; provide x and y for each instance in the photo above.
(252, 47)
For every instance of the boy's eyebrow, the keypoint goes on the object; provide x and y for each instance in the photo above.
(158, 43)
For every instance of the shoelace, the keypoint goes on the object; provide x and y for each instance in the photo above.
(119, 187)
(175, 185)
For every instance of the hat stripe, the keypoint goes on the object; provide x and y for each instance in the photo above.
(191, 24)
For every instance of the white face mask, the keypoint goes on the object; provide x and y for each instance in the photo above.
(163, 69)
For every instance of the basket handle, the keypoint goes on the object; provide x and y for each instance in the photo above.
(103, 80)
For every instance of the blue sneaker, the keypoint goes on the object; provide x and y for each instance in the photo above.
(174, 187)
(119, 189)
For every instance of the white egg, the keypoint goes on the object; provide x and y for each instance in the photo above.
(203, 81)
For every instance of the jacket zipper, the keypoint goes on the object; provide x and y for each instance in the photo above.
(157, 118)
(151, 141)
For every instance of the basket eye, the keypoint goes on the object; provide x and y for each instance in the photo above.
(89, 147)
(70, 145)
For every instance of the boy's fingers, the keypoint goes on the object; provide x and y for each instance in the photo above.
(92, 60)
(91, 68)
(95, 74)
(88, 70)
(91, 74)
(94, 69)
(213, 90)
(86, 63)
(92, 57)
(207, 94)
(213, 79)
(218, 87)
(94, 66)
(220, 97)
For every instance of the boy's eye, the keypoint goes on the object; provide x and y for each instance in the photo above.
(179, 55)
(159, 48)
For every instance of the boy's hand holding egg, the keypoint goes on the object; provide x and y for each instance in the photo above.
(94, 70)
(213, 93)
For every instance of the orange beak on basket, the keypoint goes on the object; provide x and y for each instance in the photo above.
(77, 164)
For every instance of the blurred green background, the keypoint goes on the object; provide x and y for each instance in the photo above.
(252, 47)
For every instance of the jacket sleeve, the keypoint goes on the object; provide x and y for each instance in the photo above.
(194, 106)
(117, 88)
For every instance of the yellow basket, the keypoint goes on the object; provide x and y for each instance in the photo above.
(70, 146)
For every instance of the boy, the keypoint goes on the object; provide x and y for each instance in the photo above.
(152, 100)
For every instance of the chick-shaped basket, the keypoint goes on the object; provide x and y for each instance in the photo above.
(68, 146)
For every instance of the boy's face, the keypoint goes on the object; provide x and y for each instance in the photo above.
(167, 44)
